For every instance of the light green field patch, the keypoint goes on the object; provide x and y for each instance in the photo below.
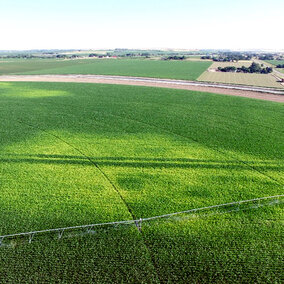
(53, 185)
(275, 62)
(12, 91)
(262, 80)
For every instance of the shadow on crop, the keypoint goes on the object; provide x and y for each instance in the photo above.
(136, 162)
(123, 110)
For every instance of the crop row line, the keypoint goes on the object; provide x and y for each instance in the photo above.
(137, 222)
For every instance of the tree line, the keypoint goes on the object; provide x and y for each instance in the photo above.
(228, 57)
(253, 68)
(174, 57)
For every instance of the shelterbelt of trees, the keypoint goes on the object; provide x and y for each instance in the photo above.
(228, 57)
(236, 56)
(254, 68)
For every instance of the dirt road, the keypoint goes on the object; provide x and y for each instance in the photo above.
(225, 89)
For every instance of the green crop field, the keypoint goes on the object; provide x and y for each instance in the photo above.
(275, 62)
(12, 66)
(74, 154)
(262, 80)
(186, 70)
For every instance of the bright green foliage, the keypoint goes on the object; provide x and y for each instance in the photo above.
(73, 154)
(187, 70)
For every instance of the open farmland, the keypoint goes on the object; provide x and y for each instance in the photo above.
(262, 80)
(275, 62)
(74, 154)
(245, 63)
(186, 70)
(11, 66)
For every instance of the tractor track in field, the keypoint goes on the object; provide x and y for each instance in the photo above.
(151, 257)
(170, 132)
(200, 143)
(87, 158)
(209, 147)
(110, 182)
(261, 93)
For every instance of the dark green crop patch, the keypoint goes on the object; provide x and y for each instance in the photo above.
(186, 70)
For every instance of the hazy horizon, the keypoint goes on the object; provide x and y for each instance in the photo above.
(205, 24)
(146, 49)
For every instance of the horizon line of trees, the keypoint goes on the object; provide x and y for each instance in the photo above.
(266, 57)
(174, 57)
(228, 57)
(25, 56)
(232, 58)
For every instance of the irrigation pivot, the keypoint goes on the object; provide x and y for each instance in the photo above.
(88, 229)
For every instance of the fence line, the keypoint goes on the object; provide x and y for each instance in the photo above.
(137, 222)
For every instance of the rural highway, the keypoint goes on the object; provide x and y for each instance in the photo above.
(262, 93)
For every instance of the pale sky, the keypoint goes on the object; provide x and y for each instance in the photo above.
(86, 24)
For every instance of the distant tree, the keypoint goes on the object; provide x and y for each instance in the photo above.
(227, 69)
(255, 68)
(174, 57)
(145, 54)
(206, 57)
(61, 56)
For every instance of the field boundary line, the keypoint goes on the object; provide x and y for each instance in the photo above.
(87, 78)
(137, 222)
